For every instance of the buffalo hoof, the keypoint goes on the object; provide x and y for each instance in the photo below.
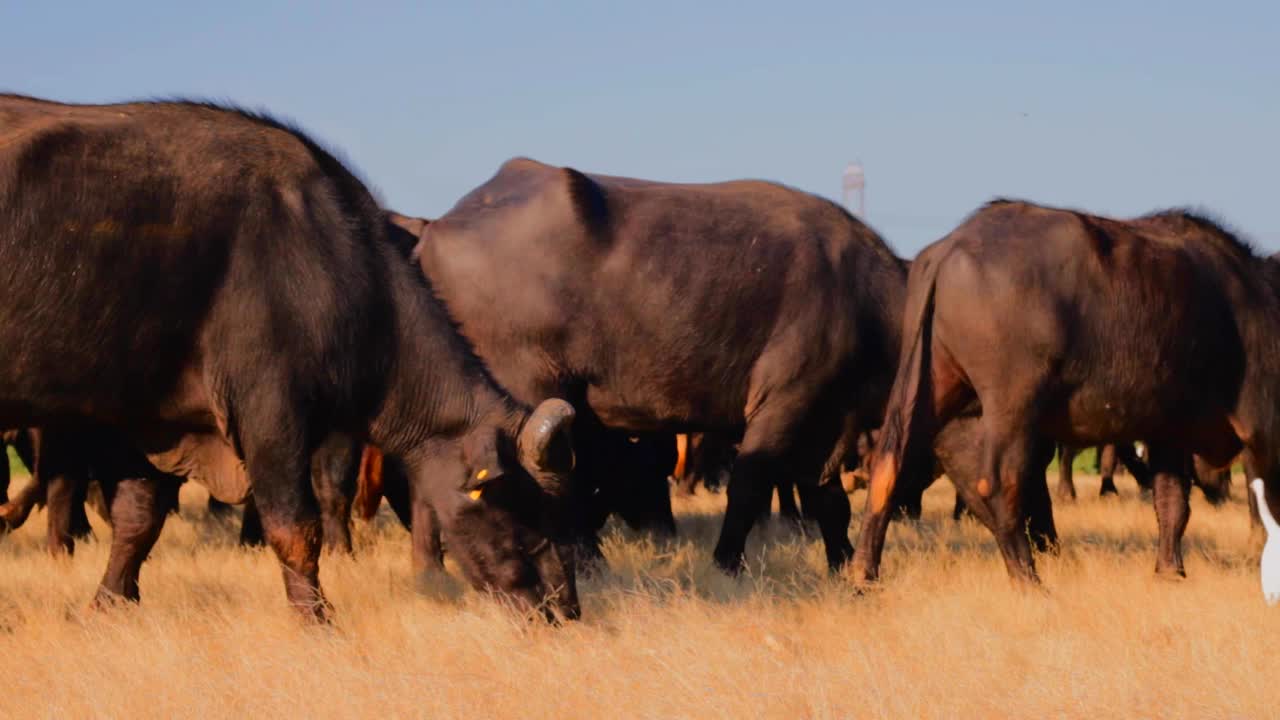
(838, 557)
(730, 564)
(862, 576)
(105, 600)
(1171, 573)
(1029, 586)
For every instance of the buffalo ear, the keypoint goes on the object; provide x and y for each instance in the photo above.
(480, 455)
(412, 225)
(405, 232)
(546, 446)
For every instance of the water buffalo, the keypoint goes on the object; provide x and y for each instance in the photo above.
(224, 291)
(1057, 325)
(740, 307)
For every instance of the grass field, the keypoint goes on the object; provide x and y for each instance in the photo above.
(663, 635)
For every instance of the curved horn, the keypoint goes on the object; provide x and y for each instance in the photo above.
(544, 442)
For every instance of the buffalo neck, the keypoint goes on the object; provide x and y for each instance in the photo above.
(436, 385)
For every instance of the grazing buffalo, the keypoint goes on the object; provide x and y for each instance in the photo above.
(741, 307)
(224, 291)
(1056, 325)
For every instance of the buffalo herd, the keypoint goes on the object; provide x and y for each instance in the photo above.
(196, 292)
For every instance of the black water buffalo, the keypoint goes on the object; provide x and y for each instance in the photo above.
(741, 307)
(224, 291)
(1058, 325)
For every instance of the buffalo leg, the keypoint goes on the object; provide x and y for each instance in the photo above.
(395, 488)
(334, 470)
(1172, 489)
(641, 493)
(428, 552)
(828, 504)
(762, 459)
(291, 524)
(1107, 469)
(78, 521)
(64, 492)
(1066, 481)
(590, 495)
(4, 472)
(959, 446)
(710, 456)
(1039, 507)
(138, 508)
(1008, 470)
(1015, 510)
(1214, 483)
(683, 471)
(908, 500)
(1142, 474)
(788, 510)
(15, 512)
(1257, 534)
(908, 495)
(776, 444)
(749, 487)
(279, 464)
(251, 534)
(587, 517)
(4, 487)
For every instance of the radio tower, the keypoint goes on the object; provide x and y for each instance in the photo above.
(855, 188)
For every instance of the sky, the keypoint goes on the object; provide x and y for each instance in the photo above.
(1115, 107)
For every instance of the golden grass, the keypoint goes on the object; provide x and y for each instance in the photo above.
(663, 634)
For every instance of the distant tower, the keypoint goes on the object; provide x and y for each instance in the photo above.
(855, 188)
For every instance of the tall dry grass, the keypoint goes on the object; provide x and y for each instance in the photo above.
(663, 634)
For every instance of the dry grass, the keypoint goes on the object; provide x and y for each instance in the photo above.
(664, 635)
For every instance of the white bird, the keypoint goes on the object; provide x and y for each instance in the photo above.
(1270, 552)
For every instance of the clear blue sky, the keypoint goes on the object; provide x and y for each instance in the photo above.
(1118, 107)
